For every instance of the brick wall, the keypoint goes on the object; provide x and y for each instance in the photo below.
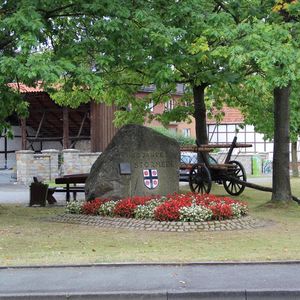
(74, 161)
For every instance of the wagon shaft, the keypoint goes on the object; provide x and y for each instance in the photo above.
(257, 187)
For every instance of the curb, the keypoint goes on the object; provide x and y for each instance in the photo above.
(190, 295)
(177, 264)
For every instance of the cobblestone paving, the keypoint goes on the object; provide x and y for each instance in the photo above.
(98, 221)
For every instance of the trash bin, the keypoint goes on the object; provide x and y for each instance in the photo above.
(267, 166)
(256, 165)
(38, 193)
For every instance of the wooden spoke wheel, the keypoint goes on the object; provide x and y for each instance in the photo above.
(200, 179)
(234, 188)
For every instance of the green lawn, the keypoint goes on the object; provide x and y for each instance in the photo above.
(26, 240)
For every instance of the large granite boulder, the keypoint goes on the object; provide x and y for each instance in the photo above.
(138, 161)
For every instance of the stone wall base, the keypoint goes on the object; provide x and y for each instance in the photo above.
(51, 164)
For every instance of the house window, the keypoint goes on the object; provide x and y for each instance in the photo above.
(169, 105)
(151, 106)
(186, 132)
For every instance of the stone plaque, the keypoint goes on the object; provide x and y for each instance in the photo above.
(154, 165)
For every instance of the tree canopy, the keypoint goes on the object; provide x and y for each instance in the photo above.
(240, 52)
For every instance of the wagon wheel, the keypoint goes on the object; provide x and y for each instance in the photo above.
(200, 179)
(233, 188)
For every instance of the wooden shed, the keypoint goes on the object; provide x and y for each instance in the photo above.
(51, 122)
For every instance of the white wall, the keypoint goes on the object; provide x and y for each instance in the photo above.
(225, 133)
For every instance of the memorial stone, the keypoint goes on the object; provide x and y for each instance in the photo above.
(139, 161)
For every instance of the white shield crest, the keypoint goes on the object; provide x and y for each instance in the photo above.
(150, 178)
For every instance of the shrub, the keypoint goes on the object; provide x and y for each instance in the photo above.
(74, 207)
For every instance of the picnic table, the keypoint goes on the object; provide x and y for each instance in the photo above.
(68, 180)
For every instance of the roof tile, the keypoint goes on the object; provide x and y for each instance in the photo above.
(26, 89)
(232, 116)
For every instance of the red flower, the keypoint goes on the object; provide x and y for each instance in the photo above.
(92, 207)
(221, 211)
(125, 207)
(169, 210)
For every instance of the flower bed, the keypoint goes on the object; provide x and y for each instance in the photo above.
(188, 207)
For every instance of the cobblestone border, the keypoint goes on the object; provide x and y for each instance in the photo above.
(246, 222)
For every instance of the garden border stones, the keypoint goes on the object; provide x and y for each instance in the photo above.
(246, 222)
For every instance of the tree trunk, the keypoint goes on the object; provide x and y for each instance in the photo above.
(295, 160)
(281, 159)
(200, 114)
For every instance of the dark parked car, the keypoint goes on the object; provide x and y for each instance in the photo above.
(186, 158)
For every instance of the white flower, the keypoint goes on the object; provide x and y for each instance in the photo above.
(74, 207)
(195, 213)
(107, 208)
(239, 210)
(147, 211)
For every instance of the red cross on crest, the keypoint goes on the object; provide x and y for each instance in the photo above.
(150, 178)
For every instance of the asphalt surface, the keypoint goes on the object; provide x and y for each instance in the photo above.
(169, 281)
(12, 192)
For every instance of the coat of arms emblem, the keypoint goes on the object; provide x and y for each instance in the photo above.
(150, 178)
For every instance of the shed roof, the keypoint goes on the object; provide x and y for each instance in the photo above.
(46, 116)
(26, 89)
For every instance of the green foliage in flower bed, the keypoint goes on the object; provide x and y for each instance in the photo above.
(188, 207)
(147, 210)
(107, 208)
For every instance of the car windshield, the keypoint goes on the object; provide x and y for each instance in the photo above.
(188, 158)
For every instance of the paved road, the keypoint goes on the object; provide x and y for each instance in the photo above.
(11, 192)
(191, 281)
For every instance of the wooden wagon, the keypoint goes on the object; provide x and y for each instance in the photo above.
(231, 173)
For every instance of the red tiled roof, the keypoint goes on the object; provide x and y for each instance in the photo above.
(26, 89)
(232, 116)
